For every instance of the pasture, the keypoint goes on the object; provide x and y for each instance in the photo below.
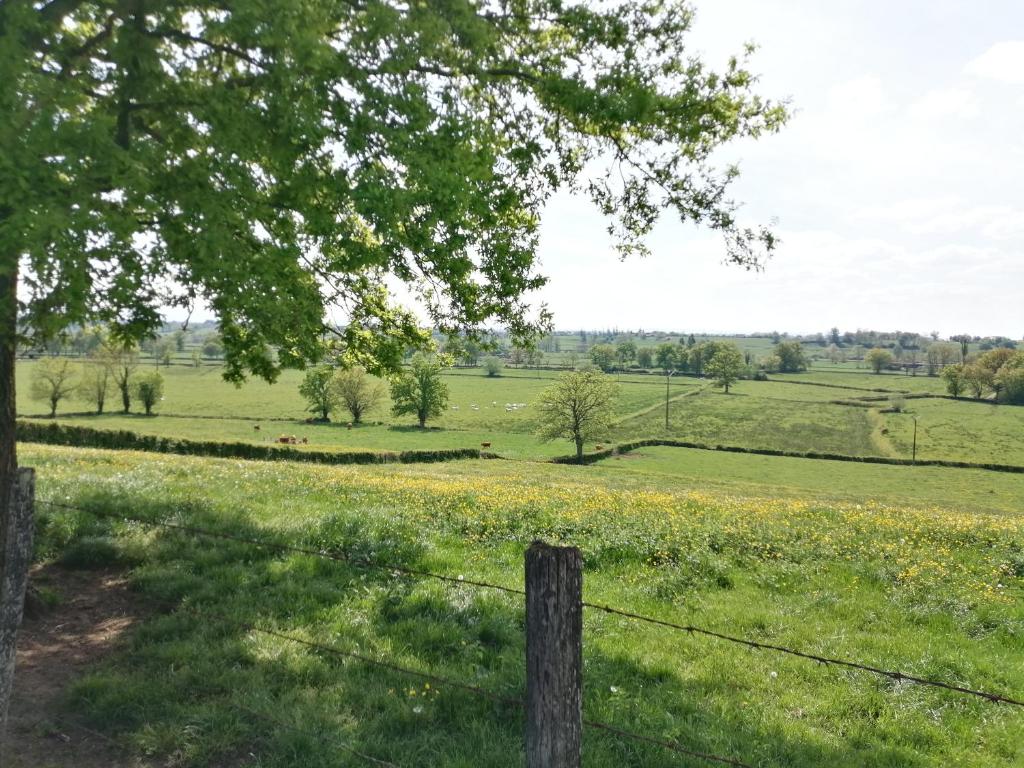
(928, 590)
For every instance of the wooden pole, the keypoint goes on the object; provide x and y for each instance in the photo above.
(14, 580)
(554, 656)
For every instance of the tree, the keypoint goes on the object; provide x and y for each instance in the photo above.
(879, 359)
(953, 375)
(318, 390)
(725, 366)
(148, 387)
(625, 352)
(964, 340)
(212, 347)
(304, 151)
(578, 407)
(603, 356)
(53, 379)
(645, 357)
(95, 383)
(357, 391)
(666, 356)
(493, 366)
(977, 378)
(122, 360)
(197, 358)
(791, 357)
(1010, 379)
(419, 390)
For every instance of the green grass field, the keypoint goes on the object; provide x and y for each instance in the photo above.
(931, 590)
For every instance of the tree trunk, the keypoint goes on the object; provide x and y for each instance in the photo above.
(126, 399)
(579, 450)
(8, 456)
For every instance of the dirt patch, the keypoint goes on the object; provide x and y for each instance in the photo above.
(55, 646)
(629, 456)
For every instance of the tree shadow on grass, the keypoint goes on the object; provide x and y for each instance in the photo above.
(197, 683)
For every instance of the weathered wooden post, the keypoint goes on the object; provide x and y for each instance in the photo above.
(17, 543)
(554, 656)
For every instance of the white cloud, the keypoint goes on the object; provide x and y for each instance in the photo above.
(944, 102)
(1003, 61)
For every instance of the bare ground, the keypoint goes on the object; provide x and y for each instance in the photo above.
(56, 645)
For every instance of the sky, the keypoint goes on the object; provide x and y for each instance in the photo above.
(897, 187)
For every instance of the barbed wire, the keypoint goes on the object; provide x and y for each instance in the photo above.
(283, 547)
(690, 629)
(893, 675)
(665, 743)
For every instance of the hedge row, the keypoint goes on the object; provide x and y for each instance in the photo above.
(590, 458)
(123, 440)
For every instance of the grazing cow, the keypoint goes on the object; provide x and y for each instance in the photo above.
(485, 445)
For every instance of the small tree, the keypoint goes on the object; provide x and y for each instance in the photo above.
(879, 359)
(197, 358)
(1011, 381)
(666, 356)
(95, 384)
(625, 352)
(357, 391)
(953, 375)
(577, 407)
(318, 390)
(420, 390)
(148, 387)
(725, 366)
(791, 357)
(52, 381)
(121, 360)
(213, 347)
(603, 356)
(645, 357)
(978, 379)
(493, 366)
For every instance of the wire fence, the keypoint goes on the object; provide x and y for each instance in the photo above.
(459, 580)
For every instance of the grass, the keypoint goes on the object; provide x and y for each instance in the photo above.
(929, 590)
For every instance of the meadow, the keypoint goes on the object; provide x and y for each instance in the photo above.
(929, 590)
(919, 569)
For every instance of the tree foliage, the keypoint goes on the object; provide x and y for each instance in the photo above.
(357, 392)
(317, 388)
(53, 380)
(578, 407)
(493, 366)
(420, 390)
(666, 356)
(879, 359)
(953, 375)
(725, 365)
(603, 356)
(95, 385)
(791, 357)
(148, 388)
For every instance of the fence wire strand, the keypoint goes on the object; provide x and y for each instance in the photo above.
(690, 629)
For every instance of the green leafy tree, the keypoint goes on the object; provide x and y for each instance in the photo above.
(95, 385)
(603, 356)
(493, 366)
(578, 407)
(879, 359)
(645, 357)
(791, 357)
(357, 391)
(121, 359)
(1010, 379)
(318, 391)
(726, 365)
(625, 352)
(53, 380)
(978, 379)
(953, 375)
(666, 356)
(304, 151)
(148, 388)
(197, 358)
(420, 390)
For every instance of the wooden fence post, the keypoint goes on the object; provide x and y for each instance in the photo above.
(17, 541)
(554, 656)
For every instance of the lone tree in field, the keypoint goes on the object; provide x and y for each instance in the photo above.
(725, 366)
(279, 162)
(420, 390)
(879, 359)
(578, 407)
(148, 387)
(121, 360)
(95, 384)
(667, 357)
(318, 390)
(53, 379)
(493, 366)
(357, 391)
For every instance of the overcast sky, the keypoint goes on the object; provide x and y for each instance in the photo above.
(897, 187)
